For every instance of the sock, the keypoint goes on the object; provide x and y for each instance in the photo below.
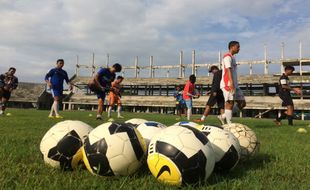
(228, 116)
(290, 119)
(109, 111)
(189, 113)
(56, 107)
(52, 109)
(203, 118)
(118, 111)
(98, 115)
(282, 116)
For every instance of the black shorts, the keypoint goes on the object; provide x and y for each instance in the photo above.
(219, 99)
(180, 106)
(5, 94)
(100, 94)
(286, 99)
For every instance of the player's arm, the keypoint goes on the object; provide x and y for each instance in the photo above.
(68, 82)
(47, 76)
(14, 84)
(97, 83)
(2, 80)
(228, 65)
(288, 88)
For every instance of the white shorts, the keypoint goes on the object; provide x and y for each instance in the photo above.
(231, 96)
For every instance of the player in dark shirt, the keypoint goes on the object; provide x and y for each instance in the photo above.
(285, 95)
(55, 79)
(100, 84)
(216, 95)
(180, 103)
(8, 82)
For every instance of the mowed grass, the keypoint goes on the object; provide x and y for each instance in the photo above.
(282, 163)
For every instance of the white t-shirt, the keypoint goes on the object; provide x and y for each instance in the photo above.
(229, 62)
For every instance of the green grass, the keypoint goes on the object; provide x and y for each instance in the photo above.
(282, 163)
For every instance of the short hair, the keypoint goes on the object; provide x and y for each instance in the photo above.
(118, 67)
(192, 77)
(212, 68)
(232, 43)
(119, 77)
(289, 67)
(12, 68)
(60, 60)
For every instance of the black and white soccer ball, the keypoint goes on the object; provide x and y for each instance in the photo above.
(186, 123)
(60, 146)
(248, 140)
(149, 129)
(225, 145)
(114, 149)
(180, 155)
(135, 121)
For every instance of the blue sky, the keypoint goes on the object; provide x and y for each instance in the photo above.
(36, 33)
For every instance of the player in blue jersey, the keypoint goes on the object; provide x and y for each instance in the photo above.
(100, 84)
(180, 103)
(55, 79)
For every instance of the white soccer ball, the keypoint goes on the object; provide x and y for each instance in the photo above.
(149, 129)
(114, 149)
(225, 145)
(135, 121)
(186, 123)
(61, 144)
(247, 139)
(180, 155)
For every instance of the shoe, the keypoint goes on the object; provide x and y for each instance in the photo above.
(111, 120)
(121, 117)
(278, 123)
(98, 118)
(199, 120)
(59, 117)
(1, 112)
(178, 118)
(219, 117)
(51, 116)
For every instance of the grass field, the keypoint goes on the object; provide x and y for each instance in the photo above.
(282, 163)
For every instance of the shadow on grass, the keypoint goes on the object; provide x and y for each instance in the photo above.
(256, 163)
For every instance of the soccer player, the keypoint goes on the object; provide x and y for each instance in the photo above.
(180, 103)
(189, 93)
(285, 95)
(115, 96)
(216, 95)
(229, 82)
(55, 79)
(100, 84)
(8, 83)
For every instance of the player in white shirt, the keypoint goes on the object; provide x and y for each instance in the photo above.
(229, 82)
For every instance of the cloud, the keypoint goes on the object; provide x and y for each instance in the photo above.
(36, 33)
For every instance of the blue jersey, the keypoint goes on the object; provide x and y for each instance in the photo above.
(57, 76)
(179, 96)
(106, 77)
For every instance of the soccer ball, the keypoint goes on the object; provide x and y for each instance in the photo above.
(225, 145)
(114, 149)
(135, 121)
(249, 143)
(180, 155)
(149, 129)
(61, 144)
(186, 123)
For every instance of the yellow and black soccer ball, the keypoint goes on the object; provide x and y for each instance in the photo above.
(61, 145)
(180, 155)
(114, 149)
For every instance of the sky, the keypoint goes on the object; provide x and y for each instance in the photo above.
(34, 34)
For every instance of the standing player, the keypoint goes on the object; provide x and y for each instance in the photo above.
(229, 82)
(216, 95)
(55, 79)
(8, 82)
(189, 93)
(285, 95)
(115, 96)
(101, 83)
(180, 103)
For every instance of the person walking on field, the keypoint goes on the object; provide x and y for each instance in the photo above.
(8, 83)
(229, 82)
(180, 103)
(216, 96)
(285, 95)
(100, 84)
(189, 93)
(115, 97)
(55, 79)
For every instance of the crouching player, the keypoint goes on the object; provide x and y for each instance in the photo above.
(8, 83)
(55, 79)
(100, 84)
(285, 95)
(115, 97)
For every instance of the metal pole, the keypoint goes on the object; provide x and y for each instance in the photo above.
(282, 57)
(266, 67)
(93, 65)
(77, 66)
(136, 66)
(181, 65)
(300, 57)
(151, 66)
(193, 62)
(108, 60)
